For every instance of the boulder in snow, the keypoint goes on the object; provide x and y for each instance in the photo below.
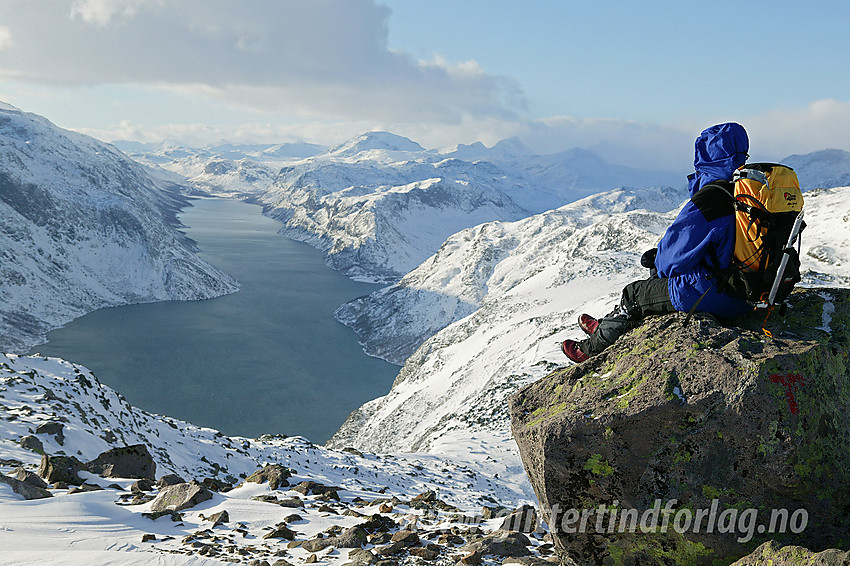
(134, 462)
(275, 474)
(60, 469)
(25, 490)
(181, 496)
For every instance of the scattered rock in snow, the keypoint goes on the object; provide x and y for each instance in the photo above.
(142, 485)
(181, 496)
(29, 477)
(275, 474)
(500, 543)
(33, 443)
(24, 489)
(175, 516)
(523, 520)
(86, 487)
(55, 429)
(315, 488)
(281, 531)
(169, 479)
(217, 518)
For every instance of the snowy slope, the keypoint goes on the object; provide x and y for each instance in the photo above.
(510, 292)
(83, 227)
(478, 264)
(89, 528)
(529, 280)
(826, 238)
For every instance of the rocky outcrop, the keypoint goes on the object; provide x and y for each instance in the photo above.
(134, 462)
(690, 444)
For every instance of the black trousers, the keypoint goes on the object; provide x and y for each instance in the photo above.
(640, 299)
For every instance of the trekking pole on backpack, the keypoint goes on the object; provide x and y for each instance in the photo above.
(780, 272)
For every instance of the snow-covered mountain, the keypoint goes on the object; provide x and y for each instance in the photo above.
(822, 169)
(482, 315)
(488, 261)
(229, 170)
(379, 204)
(382, 145)
(168, 151)
(505, 296)
(84, 227)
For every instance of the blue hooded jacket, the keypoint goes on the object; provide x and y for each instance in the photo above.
(704, 233)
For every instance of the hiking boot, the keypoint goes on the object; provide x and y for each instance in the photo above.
(572, 351)
(588, 324)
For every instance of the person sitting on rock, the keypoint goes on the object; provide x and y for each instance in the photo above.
(699, 242)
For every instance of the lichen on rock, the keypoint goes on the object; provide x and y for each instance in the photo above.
(695, 444)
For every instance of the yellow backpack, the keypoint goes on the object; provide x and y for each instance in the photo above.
(769, 219)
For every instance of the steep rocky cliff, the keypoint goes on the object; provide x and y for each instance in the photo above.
(690, 444)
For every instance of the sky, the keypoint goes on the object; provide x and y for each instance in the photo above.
(634, 81)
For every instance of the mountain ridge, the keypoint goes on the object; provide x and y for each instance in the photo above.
(355, 202)
(826, 168)
(84, 227)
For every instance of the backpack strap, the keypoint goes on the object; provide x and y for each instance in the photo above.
(715, 200)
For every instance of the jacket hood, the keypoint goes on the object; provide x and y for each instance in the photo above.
(719, 151)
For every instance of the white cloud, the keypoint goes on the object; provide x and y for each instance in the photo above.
(200, 135)
(773, 136)
(104, 12)
(627, 142)
(5, 38)
(822, 124)
(304, 58)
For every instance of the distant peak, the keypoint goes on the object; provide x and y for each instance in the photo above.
(7, 106)
(369, 141)
(832, 155)
(512, 146)
(474, 146)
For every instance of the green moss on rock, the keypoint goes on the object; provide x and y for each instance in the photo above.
(743, 433)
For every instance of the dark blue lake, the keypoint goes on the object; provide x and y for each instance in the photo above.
(267, 359)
